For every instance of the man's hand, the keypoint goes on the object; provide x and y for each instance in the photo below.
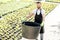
(42, 24)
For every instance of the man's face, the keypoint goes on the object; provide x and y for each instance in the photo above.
(38, 5)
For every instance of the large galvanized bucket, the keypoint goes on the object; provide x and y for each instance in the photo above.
(30, 30)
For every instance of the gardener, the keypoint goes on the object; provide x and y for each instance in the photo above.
(39, 14)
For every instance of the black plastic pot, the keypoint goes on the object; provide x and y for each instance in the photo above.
(30, 30)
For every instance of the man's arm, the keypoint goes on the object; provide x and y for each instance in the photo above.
(42, 24)
(30, 15)
(43, 16)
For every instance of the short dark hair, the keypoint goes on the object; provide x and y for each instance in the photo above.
(38, 2)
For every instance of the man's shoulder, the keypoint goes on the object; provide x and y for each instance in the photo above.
(36, 9)
(43, 9)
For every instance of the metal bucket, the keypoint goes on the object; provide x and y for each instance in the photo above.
(30, 30)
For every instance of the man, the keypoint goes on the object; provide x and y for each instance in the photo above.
(39, 14)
